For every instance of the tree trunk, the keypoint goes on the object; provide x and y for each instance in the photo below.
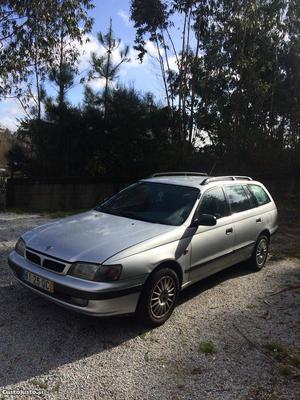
(61, 93)
(37, 82)
(109, 51)
(163, 72)
(194, 77)
(180, 94)
(168, 65)
(185, 77)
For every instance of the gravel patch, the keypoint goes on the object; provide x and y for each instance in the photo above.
(64, 355)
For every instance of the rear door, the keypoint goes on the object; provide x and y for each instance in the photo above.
(245, 220)
(212, 245)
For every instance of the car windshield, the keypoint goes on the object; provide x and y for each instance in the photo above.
(152, 202)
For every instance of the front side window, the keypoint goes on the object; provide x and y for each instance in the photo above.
(238, 198)
(259, 194)
(153, 202)
(214, 203)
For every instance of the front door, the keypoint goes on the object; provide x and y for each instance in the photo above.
(212, 245)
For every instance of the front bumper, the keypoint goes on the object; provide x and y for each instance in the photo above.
(96, 298)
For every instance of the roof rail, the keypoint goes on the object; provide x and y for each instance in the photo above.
(225, 178)
(179, 174)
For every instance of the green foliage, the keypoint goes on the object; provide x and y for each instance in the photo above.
(246, 97)
(295, 360)
(146, 356)
(103, 66)
(277, 350)
(207, 347)
(39, 383)
(148, 16)
(250, 306)
(134, 141)
(289, 358)
(233, 99)
(238, 77)
(32, 33)
(16, 158)
(285, 370)
(61, 213)
(63, 77)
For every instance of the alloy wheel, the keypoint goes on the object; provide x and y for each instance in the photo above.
(261, 252)
(163, 297)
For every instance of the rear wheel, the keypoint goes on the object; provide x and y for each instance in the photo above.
(260, 253)
(159, 297)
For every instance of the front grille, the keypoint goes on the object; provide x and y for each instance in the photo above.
(46, 263)
(53, 265)
(33, 257)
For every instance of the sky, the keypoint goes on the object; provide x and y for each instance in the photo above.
(144, 77)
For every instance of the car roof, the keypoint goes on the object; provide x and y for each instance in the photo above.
(198, 181)
(192, 181)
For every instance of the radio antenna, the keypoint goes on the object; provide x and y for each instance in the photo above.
(213, 168)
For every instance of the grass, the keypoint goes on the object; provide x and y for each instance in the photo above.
(295, 360)
(197, 371)
(290, 360)
(146, 356)
(56, 387)
(207, 347)
(143, 335)
(250, 306)
(17, 210)
(276, 257)
(277, 350)
(60, 213)
(285, 370)
(180, 386)
(39, 383)
(47, 214)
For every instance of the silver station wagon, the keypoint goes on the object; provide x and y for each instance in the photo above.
(137, 250)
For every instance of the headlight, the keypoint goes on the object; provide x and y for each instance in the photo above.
(94, 272)
(20, 247)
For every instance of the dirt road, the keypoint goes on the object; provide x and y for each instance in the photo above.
(233, 336)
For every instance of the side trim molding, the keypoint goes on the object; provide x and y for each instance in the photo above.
(218, 258)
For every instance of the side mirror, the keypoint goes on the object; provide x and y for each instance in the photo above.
(205, 220)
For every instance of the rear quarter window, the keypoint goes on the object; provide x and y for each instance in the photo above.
(260, 194)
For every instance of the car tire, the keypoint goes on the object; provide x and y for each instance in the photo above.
(159, 297)
(260, 253)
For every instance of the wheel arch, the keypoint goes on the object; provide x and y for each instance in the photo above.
(172, 264)
(265, 232)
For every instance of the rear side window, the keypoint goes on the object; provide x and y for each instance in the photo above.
(238, 198)
(214, 203)
(259, 194)
(251, 197)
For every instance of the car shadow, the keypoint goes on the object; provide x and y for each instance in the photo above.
(38, 336)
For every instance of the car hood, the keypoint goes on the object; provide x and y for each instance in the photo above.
(91, 236)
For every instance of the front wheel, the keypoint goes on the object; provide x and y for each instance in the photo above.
(159, 297)
(260, 253)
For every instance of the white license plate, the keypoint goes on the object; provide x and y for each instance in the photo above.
(38, 281)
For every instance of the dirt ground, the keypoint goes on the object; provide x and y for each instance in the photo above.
(287, 241)
(233, 336)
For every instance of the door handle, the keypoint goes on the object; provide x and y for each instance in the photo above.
(258, 220)
(229, 231)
